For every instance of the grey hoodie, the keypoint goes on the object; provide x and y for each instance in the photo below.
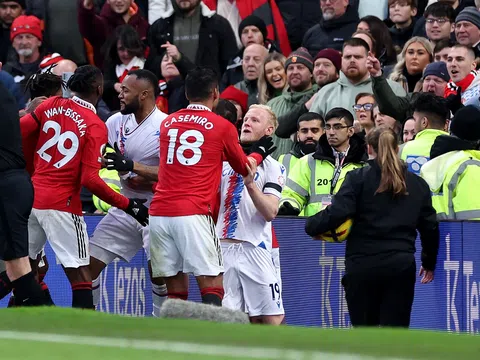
(342, 93)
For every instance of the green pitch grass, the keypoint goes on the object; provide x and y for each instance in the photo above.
(70, 333)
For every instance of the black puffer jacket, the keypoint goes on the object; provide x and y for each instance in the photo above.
(217, 44)
(299, 16)
(331, 33)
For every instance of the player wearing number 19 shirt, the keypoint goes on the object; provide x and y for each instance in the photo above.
(193, 143)
(247, 207)
(68, 150)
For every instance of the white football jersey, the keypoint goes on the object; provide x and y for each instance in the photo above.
(137, 142)
(238, 218)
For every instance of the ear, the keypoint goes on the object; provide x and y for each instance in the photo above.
(425, 122)
(351, 131)
(297, 136)
(414, 11)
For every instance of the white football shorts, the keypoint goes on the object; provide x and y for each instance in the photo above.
(250, 280)
(186, 244)
(118, 235)
(66, 233)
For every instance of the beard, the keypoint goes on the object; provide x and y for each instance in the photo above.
(25, 52)
(308, 148)
(187, 8)
(328, 15)
(131, 108)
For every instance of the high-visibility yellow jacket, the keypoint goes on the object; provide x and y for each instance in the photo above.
(453, 180)
(417, 152)
(308, 186)
(112, 179)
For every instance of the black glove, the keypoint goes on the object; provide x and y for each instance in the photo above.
(454, 101)
(116, 161)
(138, 211)
(287, 209)
(263, 147)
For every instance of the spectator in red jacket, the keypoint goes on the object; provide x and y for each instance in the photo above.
(98, 28)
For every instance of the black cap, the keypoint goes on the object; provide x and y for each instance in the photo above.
(253, 20)
(466, 123)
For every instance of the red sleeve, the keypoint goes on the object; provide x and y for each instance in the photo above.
(30, 128)
(233, 152)
(100, 189)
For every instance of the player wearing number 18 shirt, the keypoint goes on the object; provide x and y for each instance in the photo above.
(68, 150)
(193, 143)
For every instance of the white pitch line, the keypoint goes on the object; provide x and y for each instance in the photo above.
(184, 347)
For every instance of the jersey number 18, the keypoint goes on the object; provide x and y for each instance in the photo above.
(179, 153)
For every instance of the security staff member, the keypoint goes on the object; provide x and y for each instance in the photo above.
(16, 200)
(387, 204)
(316, 177)
(310, 127)
(430, 113)
(112, 179)
(454, 170)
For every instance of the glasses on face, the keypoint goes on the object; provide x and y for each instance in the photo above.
(336, 127)
(440, 21)
(360, 107)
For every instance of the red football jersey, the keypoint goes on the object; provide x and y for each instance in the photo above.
(193, 145)
(71, 136)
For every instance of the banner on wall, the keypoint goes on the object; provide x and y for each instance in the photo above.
(311, 278)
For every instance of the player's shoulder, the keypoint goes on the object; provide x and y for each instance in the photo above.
(271, 164)
(114, 118)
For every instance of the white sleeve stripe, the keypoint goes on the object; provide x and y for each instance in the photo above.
(270, 191)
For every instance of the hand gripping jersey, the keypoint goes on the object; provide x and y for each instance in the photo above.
(68, 151)
(137, 142)
(193, 143)
(238, 218)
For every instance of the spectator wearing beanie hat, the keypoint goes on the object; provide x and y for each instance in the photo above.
(238, 98)
(10, 10)
(354, 79)
(434, 80)
(252, 30)
(467, 27)
(299, 69)
(326, 68)
(26, 36)
(453, 169)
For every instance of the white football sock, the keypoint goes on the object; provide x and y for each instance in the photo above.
(159, 295)
(96, 291)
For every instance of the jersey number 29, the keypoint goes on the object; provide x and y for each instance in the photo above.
(179, 153)
(60, 140)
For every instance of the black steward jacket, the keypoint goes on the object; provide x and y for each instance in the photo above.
(384, 227)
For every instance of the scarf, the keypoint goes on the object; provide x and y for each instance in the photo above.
(464, 84)
(122, 70)
(162, 99)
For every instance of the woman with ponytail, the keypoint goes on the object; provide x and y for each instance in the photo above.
(387, 204)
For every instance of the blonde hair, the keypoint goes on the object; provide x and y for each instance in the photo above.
(268, 109)
(265, 90)
(384, 142)
(397, 72)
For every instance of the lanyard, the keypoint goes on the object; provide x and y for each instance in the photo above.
(337, 171)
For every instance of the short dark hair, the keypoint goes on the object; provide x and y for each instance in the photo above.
(412, 3)
(227, 110)
(433, 107)
(468, 48)
(309, 116)
(148, 76)
(440, 10)
(85, 80)
(200, 83)
(44, 84)
(340, 113)
(374, 43)
(356, 42)
(442, 44)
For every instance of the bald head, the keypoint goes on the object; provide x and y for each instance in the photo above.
(138, 91)
(64, 66)
(253, 57)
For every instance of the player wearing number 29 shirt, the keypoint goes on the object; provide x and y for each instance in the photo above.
(68, 152)
(193, 144)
